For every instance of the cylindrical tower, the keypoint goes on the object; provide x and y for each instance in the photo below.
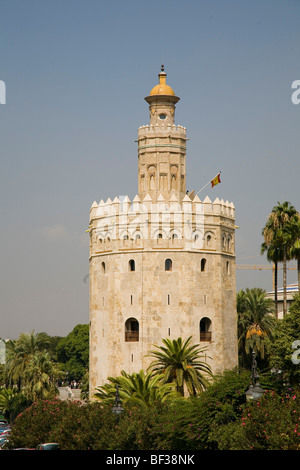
(163, 264)
(162, 147)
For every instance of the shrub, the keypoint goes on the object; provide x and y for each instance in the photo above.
(34, 424)
(187, 424)
(273, 423)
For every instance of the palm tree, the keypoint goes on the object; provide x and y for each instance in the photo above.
(242, 324)
(20, 352)
(256, 320)
(295, 249)
(12, 403)
(180, 363)
(274, 254)
(138, 389)
(277, 237)
(40, 377)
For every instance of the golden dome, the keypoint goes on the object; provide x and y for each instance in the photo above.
(162, 88)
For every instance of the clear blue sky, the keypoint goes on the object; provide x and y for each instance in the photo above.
(76, 74)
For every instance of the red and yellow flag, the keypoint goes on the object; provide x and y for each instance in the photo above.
(216, 180)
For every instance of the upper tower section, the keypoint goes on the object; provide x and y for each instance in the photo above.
(162, 147)
(162, 102)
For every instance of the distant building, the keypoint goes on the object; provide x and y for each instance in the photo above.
(2, 351)
(291, 290)
(163, 264)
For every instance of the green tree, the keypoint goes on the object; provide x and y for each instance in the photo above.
(137, 389)
(187, 424)
(73, 352)
(295, 249)
(12, 402)
(278, 238)
(41, 375)
(180, 363)
(274, 254)
(255, 319)
(19, 354)
(283, 346)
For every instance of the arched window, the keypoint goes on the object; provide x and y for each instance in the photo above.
(205, 329)
(103, 267)
(131, 330)
(168, 265)
(203, 264)
(131, 265)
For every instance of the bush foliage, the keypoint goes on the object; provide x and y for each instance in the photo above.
(218, 419)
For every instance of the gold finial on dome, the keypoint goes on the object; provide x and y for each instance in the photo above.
(162, 88)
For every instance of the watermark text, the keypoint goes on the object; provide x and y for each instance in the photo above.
(2, 92)
(296, 94)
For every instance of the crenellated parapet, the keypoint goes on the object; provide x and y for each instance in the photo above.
(154, 130)
(192, 224)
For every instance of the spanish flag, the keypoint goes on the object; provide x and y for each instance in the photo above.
(216, 180)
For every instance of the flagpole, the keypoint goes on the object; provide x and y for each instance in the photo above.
(208, 183)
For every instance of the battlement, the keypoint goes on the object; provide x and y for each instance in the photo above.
(193, 224)
(123, 205)
(149, 130)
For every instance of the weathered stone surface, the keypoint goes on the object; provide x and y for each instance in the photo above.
(161, 223)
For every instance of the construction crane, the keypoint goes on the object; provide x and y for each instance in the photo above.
(260, 267)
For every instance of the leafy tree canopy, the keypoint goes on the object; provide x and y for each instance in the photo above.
(73, 351)
(281, 347)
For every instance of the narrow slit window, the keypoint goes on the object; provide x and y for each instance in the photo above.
(227, 267)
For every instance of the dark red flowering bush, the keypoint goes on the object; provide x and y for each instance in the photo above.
(273, 422)
(34, 425)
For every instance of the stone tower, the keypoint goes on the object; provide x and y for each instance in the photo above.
(163, 264)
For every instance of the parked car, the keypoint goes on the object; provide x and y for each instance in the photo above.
(23, 448)
(48, 446)
(4, 427)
